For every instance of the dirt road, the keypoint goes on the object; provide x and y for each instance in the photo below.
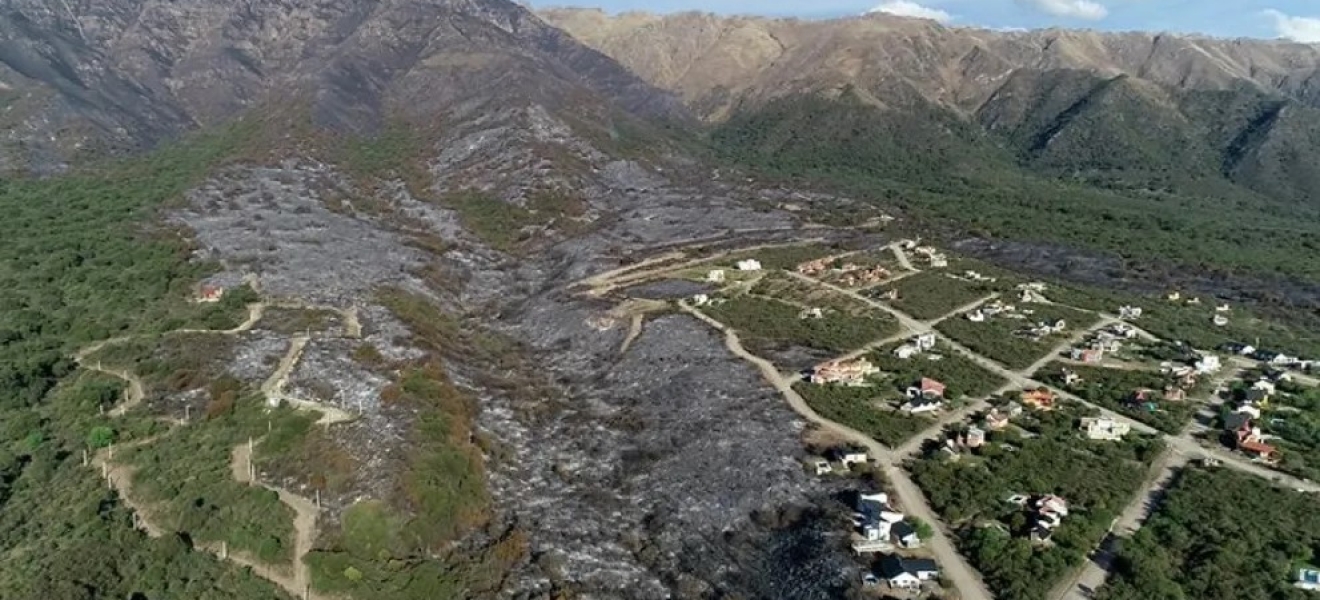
(964, 578)
(273, 387)
(304, 527)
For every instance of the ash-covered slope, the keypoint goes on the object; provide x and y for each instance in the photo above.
(90, 75)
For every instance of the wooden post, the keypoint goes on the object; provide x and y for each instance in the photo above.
(84, 457)
(224, 549)
(187, 412)
(112, 450)
(318, 499)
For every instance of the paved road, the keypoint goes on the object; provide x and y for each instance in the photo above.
(964, 578)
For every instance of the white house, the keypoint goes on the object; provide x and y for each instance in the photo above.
(976, 316)
(700, 300)
(822, 466)
(1129, 312)
(925, 341)
(750, 264)
(1219, 320)
(906, 351)
(1104, 428)
(1308, 578)
(1209, 363)
(907, 573)
(715, 276)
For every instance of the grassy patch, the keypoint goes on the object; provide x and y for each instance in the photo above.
(766, 325)
(961, 376)
(932, 294)
(1113, 388)
(170, 363)
(1003, 340)
(508, 227)
(1097, 479)
(1219, 535)
(809, 295)
(293, 321)
(865, 409)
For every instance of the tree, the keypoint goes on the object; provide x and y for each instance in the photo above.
(100, 437)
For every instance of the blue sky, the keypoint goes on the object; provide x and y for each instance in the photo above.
(1298, 20)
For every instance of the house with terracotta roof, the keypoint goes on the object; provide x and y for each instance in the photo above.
(210, 293)
(844, 372)
(1039, 399)
(1251, 442)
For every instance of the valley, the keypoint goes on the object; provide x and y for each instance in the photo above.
(418, 299)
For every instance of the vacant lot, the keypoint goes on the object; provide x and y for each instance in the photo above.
(808, 295)
(873, 411)
(1113, 389)
(1096, 478)
(1005, 339)
(932, 295)
(786, 257)
(767, 325)
(961, 376)
(1219, 535)
(293, 321)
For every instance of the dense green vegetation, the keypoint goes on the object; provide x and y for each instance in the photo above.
(766, 325)
(185, 476)
(1004, 340)
(77, 265)
(1219, 535)
(935, 165)
(1114, 389)
(961, 376)
(1296, 332)
(932, 294)
(1096, 478)
(864, 409)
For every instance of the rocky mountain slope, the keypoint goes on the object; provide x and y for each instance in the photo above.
(84, 76)
(1062, 102)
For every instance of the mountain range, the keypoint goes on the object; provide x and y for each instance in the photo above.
(1060, 101)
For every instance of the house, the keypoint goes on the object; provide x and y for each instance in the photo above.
(1240, 348)
(875, 518)
(1143, 399)
(847, 372)
(1219, 320)
(1052, 504)
(822, 466)
(926, 388)
(1039, 399)
(907, 573)
(1029, 296)
(905, 535)
(976, 316)
(1104, 428)
(1257, 397)
(906, 351)
(1223, 308)
(814, 267)
(1308, 578)
(715, 276)
(975, 437)
(812, 313)
(1012, 409)
(750, 264)
(848, 456)
(939, 261)
(890, 294)
(1264, 385)
(1173, 393)
(995, 420)
(925, 341)
(700, 300)
(210, 293)
(1040, 534)
(1070, 377)
(1173, 296)
(1088, 355)
(919, 404)
(1208, 364)
(1129, 312)
(1250, 441)
(1193, 301)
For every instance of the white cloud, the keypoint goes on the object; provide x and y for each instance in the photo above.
(907, 8)
(1297, 29)
(1075, 9)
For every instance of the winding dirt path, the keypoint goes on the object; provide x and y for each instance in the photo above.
(273, 387)
(120, 479)
(298, 584)
(964, 578)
